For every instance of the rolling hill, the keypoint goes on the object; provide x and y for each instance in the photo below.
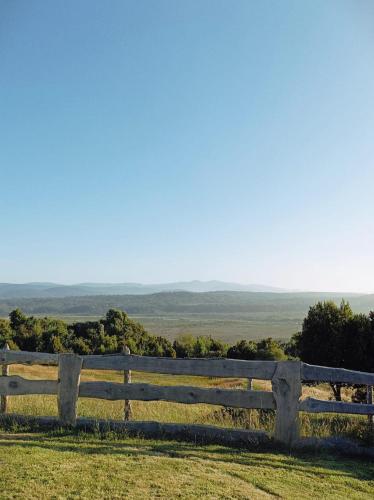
(47, 290)
(223, 314)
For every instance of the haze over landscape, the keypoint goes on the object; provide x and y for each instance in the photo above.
(13, 290)
(228, 311)
(154, 143)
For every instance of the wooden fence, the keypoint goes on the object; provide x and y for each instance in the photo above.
(286, 378)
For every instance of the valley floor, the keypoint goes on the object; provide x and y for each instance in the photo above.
(85, 466)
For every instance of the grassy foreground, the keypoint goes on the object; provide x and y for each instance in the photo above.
(86, 466)
(63, 465)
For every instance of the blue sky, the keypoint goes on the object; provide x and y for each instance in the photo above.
(160, 141)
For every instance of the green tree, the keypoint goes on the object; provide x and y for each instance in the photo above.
(54, 336)
(184, 346)
(217, 348)
(26, 330)
(189, 346)
(243, 350)
(5, 332)
(321, 341)
(358, 343)
(270, 350)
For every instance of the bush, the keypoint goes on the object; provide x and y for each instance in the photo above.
(109, 335)
(5, 332)
(188, 346)
(267, 349)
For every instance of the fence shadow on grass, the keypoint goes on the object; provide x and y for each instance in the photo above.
(297, 462)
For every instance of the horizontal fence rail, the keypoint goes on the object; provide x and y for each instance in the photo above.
(312, 405)
(18, 386)
(313, 373)
(226, 368)
(286, 378)
(28, 358)
(263, 370)
(179, 394)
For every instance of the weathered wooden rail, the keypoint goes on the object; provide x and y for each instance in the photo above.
(286, 378)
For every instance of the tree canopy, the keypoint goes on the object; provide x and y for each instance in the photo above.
(107, 335)
(334, 336)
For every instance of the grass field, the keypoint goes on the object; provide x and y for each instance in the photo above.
(311, 425)
(85, 466)
(65, 465)
(228, 327)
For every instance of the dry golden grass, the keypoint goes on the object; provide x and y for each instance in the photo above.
(161, 411)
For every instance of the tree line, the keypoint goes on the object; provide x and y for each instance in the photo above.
(116, 329)
(106, 336)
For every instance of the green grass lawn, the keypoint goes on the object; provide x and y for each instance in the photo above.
(86, 466)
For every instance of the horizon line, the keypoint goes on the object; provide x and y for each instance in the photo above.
(149, 284)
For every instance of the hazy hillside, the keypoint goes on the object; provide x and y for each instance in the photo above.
(45, 290)
(183, 302)
(227, 315)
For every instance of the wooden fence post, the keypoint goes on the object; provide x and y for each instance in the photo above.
(369, 400)
(286, 385)
(69, 370)
(250, 388)
(4, 373)
(127, 409)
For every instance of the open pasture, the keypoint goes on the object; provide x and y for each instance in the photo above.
(89, 467)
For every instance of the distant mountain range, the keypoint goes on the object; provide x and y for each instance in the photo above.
(50, 290)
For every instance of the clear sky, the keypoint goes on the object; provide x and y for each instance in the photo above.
(156, 141)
